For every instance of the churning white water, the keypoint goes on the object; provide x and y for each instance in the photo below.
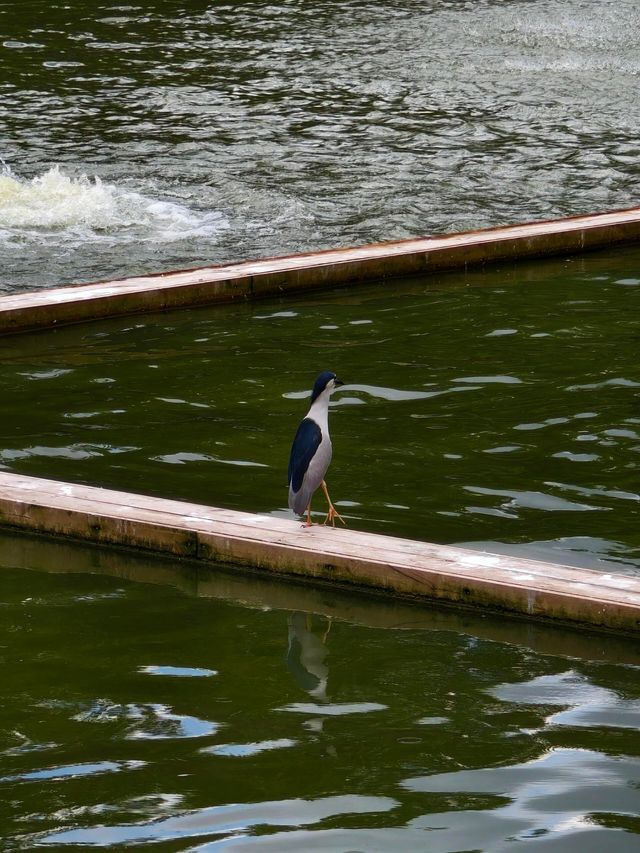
(56, 207)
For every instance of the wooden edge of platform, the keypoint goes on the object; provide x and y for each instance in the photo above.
(407, 569)
(314, 270)
(21, 550)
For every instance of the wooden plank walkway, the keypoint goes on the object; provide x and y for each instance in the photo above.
(314, 271)
(395, 567)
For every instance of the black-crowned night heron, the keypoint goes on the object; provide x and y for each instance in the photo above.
(311, 452)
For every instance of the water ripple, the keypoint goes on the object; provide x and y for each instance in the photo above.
(535, 500)
(148, 721)
(490, 380)
(354, 146)
(242, 750)
(73, 771)
(225, 820)
(333, 709)
(183, 457)
(178, 671)
(161, 723)
(619, 382)
(586, 704)
(564, 792)
(72, 451)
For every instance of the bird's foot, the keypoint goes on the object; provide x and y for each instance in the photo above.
(332, 515)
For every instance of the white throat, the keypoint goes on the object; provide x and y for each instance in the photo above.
(319, 411)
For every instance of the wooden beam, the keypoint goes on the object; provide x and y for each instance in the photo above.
(346, 558)
(314, 271)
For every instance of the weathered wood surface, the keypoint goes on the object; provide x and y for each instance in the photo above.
(397, 567)
(314, 271)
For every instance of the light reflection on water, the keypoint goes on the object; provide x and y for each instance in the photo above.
(407, 728)
(586, 704)
(227, 820)
(244, 130)
(591, 786)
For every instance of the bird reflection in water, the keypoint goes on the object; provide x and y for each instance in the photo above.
(307, 651)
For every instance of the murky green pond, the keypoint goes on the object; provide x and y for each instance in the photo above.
(147, 703)
(156, 704)
(500, 408)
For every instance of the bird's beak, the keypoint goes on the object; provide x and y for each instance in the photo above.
(337, 382)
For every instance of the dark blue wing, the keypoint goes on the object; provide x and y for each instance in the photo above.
(305, 444)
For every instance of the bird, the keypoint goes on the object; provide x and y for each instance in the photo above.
(311, 452)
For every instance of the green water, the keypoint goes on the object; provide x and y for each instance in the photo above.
(500, 408)
(150, 703)
(147, 703)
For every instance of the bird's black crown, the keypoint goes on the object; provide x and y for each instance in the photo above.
(321, 383)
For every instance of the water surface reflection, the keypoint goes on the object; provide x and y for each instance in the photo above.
(341, 721)
(222, 130)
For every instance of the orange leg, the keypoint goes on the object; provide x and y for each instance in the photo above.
(308, 522)
(333, 512)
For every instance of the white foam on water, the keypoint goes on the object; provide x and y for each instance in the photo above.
(61, 208)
